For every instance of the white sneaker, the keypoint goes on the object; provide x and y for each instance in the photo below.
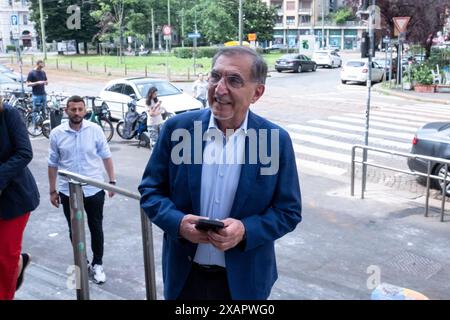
(98, 274)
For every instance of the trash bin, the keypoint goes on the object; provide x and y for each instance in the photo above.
(55, 118)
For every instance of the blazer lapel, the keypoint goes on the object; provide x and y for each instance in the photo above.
(195, 168)
(249, 173)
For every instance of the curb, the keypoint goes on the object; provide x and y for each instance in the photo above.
(391, 92)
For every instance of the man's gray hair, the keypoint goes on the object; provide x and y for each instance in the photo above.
(259, 66)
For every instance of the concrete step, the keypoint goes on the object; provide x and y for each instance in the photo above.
(42, 283)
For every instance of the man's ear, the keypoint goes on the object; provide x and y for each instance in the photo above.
(259, 91)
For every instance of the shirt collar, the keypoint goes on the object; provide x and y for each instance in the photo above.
(213, 123)
(84, 124)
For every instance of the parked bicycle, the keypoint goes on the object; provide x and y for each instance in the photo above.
(56, 111)
(35, 120)
(101, 116)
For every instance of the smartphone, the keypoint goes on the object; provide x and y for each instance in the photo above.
(208, 224)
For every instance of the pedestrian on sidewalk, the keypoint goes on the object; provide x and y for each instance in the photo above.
(37, 80)
(200, 89)
(219, 176)
(155, 114)
(80, 146)
(19, 196)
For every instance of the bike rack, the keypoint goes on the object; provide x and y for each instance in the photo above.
(428, 175)
(78, 234)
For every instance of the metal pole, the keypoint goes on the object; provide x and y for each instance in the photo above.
(352, 181)
(385, 61)
(390, 65)
(78, 239)
(169, 42)
(428, 188)
(323, 23)
(369, 91)
(41, 18)
(182, 27)
(153, 31)
(444, 192)
(240, 22)
(149, 257)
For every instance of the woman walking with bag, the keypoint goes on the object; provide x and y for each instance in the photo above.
(19, 195)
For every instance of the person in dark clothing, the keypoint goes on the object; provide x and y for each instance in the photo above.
(37, 80)
(19, 196)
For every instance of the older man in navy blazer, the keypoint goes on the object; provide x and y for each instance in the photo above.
(224, 163)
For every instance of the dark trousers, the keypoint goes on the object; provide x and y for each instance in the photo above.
(206, 284)
(93, 206)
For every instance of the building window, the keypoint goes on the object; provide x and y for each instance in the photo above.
(290, 5)
(10, 2)
(305, 19)
(290, 20)
(305, 4)
(25, 19)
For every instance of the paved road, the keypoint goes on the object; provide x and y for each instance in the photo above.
(328, 255)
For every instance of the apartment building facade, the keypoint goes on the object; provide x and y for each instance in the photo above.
(304, 17)
(15, 27)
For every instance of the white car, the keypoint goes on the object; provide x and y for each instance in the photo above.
(117, 93)
(358, 69)
(327, 58)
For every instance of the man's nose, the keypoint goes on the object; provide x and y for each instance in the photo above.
(221, 86)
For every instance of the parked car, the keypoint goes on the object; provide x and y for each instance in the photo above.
(9, 72)
(432, 140)
(6, 83)
(327, 58)
(276, 46)
(358, 69)
(117, 93)
(296, 63)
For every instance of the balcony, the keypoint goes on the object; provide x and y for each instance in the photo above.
(305, 11)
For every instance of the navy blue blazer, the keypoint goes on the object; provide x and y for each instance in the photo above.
(269, 206)
(19, 192)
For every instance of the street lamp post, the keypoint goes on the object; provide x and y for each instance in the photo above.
(41, 15)
(323, 24)
(240, 22)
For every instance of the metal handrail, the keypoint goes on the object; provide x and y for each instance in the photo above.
(78, 236)
(428, 175)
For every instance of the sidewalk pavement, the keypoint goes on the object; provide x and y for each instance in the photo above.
(439, 98)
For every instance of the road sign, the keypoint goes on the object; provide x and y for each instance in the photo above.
(194, 35)
(14, 20)
(167, 37)
(167, 30)
(401, 23)
(251, 37)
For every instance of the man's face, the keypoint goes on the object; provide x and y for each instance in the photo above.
(40, 65)
(76, 112)
(231, 89)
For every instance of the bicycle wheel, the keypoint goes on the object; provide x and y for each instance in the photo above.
(34, 129)
(46, 130)
(119, 128)
(107, 128)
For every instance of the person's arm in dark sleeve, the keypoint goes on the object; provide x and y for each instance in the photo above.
(285, 212)
(20, 141)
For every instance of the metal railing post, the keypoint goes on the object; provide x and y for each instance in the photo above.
(149, 257)
(428, 188)
(444, 192)
(78, 239)
(364, 173)
(352, 177)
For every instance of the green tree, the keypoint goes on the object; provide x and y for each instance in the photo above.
(55, 21)
(259, 18)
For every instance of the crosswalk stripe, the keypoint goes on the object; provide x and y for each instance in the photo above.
(424, 112)
(358, 139)
(372, 131)
(318, 167)
(420, 107)
(409, 117)
(374, 123)
(300, 149)
(327, 143)
(416, 124)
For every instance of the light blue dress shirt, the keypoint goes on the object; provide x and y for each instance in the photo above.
(221, 170)
(79, 152)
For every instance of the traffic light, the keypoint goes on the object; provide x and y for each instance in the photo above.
(365, 44)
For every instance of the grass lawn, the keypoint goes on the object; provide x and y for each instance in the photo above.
(154, 63)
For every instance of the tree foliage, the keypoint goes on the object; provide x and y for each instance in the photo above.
(427, 18)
